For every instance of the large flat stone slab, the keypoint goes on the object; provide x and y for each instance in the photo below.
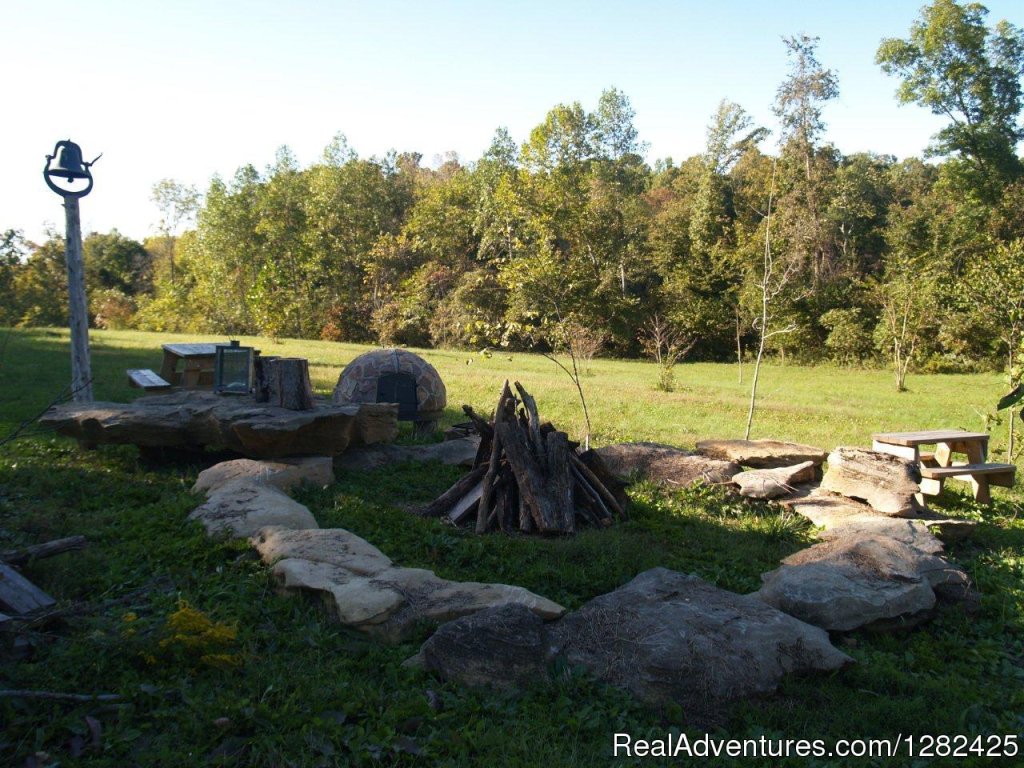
(195, 420)
(243, 507)
(841, 517)
(283, 474)
(773, 483)
(761, 454)
(888, 483)
(328, 546)
(664, 464)
(664, 636)
(366, 591)
(857, 581)
(458, 452)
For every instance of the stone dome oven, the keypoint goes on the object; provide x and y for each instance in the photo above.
(395, 376)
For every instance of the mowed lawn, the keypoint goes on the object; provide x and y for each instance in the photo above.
(822, 405)
(215, 668)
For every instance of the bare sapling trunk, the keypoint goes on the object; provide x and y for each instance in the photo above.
(772, 285)
(1010, 437)
(574, 353)
(739, 347)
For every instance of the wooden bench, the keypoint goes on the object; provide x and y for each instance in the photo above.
(144, 378)
(980, 476)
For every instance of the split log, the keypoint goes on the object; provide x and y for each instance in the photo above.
(547, 510)
(443, 503)
(262, 383)
(532, 423)
(528, 477)
(560, 479)
(617, 487)
(483, 428)
(467, 504)
(483, 451)
(590, 500)
(484, 509)
(606, 496)
(39, 551)
(506, 510)
(293, 388)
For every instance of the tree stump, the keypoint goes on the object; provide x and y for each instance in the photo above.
(292, 386)
(262, 367)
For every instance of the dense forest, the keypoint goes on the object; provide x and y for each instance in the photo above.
(572, 237)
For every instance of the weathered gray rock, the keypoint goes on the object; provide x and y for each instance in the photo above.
(366, 591)
(773, 483)
(195, 420)
(504, 647)
(947, 529)
(242, 507)
(853, 582)
(841, 517)
(459, 452)
(761, 454)
(888, 483)
(329, 546)
(283, 474)
(664, 464)
(664, 636)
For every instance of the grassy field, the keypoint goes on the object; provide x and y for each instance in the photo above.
(216, 669)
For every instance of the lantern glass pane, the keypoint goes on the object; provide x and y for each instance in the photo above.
(234, 370)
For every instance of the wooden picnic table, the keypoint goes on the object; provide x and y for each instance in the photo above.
(940, 465)
(198, 365)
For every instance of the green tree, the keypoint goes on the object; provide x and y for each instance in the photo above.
(41, 286)
(13, 253)
(806, 167)
(115, 261)
(907, 299)
(994, 289)
(178, 204)
(960, 69)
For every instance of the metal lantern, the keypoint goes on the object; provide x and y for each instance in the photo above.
(233, 369)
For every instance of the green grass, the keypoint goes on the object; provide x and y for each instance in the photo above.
(295, 689)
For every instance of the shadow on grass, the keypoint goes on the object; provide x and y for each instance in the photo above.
(729, 544)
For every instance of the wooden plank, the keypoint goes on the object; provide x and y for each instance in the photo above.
(168, 369)
(191, 350)
(963, 470)
(907, 452)
(928, 437)
(483, 509)
(144, 378)
(18, 594)
(467, 503)
(446, 500)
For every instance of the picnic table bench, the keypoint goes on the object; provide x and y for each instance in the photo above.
(144, 378)
(939, 466)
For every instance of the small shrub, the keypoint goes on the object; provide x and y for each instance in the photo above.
(193, 637)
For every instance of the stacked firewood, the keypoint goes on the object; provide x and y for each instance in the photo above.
(529, 477)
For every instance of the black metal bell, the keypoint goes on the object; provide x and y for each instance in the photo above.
(69, 162)
(66, 163)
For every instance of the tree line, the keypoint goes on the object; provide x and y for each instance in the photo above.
(776, 242)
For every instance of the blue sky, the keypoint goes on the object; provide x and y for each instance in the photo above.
(186, 89)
